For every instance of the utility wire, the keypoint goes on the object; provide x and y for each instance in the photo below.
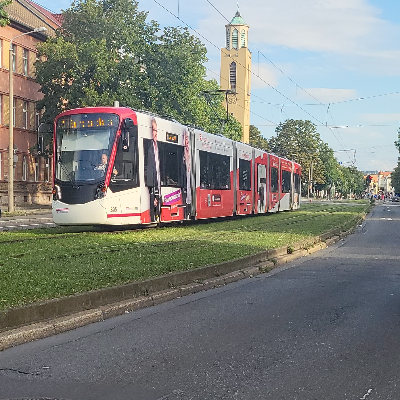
(194, 30)
(294, 103)
(263, 80)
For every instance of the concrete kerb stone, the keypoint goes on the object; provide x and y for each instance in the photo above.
(35, 321)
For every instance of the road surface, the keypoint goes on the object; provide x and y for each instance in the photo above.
(323, 327)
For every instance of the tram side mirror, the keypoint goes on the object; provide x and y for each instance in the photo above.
(127, 126)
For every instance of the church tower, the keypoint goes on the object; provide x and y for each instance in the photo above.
(236, 71)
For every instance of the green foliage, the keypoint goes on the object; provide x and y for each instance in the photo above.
(396, 178)
(299, 140)
(4, 19)
(108, 51)
(257, 140)
(351, 181)
(397, 142)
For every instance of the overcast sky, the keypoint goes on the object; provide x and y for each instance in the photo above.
(334, 62)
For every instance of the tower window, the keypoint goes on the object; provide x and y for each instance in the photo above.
(235, 38)
(243, 39)
(232, 75)
(228, 37)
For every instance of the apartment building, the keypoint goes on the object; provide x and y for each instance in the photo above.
(32, 173)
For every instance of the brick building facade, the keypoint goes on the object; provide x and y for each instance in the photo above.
(32, 174)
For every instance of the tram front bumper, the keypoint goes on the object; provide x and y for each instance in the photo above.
(92, 213)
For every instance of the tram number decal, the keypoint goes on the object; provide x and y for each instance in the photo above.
(113, 209)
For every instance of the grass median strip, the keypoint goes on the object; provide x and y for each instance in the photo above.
(67, 261)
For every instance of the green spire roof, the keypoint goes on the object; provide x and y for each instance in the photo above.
(237, 19)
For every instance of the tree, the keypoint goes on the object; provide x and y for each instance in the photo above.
(351, 181)
(396, 178)
(397, 142)
(299, 140)
(257, 140)
(4, 19)
(332, 174)
(108, 51)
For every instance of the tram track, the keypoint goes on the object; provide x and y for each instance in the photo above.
(280, 220)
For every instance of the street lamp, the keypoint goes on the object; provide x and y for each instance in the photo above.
(11, 123)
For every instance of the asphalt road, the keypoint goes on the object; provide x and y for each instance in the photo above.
(322, 327)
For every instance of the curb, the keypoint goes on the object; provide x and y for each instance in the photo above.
(40, 320)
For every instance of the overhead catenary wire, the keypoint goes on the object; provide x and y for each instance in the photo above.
(259, 77)
(194, 30)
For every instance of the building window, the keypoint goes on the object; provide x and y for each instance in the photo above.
(24, 169)
(14, 110)
(37, 169)
(47, 170)
(228, 37)
(25, 62)
(14, 52)
(37, 119)
(235, 39)
(25, 115)
(232, 76)
(243, 39)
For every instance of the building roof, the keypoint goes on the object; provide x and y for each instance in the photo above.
(56, 18)
(385, 173)
(26, 15)
(237, 19)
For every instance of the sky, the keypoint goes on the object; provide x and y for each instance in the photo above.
(333, 62)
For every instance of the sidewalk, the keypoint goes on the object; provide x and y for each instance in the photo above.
(29, 217)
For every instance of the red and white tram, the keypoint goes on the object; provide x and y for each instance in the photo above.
(116, 166)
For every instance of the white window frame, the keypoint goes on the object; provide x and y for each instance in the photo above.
(37, 119)
(25, 61)
(25, 106)
(46, 177)
(24, 169)
(14, 57)
(37, 169)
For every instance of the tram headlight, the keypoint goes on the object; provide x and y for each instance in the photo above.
(101, 191)
(56, 192)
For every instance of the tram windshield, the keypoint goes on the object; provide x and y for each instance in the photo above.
(83, 146)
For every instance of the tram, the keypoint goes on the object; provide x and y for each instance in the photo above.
(117, 166)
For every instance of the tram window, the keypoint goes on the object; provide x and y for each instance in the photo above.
(274, 180)
(150, 174)
(125, 171)
(286, 178)
(214, 171)
(297, 183)
(171, 164)
(244, 175)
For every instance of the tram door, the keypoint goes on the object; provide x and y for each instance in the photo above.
(262, 188)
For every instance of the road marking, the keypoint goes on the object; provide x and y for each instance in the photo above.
(366, 394)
